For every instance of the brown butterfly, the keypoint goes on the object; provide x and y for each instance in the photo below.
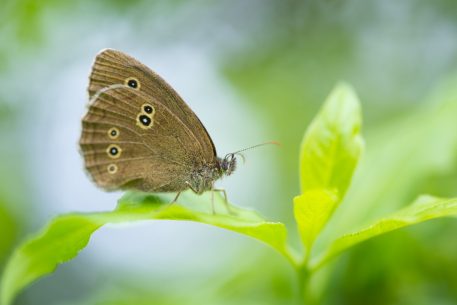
(139, 134)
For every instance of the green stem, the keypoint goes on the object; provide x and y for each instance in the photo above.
(304, 292)
(302, 283)
(304, 278)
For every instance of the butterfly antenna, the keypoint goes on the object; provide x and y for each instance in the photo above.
(251, 147)
(261, 144)
(242, 156)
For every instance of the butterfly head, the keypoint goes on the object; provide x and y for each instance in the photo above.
(228, 164)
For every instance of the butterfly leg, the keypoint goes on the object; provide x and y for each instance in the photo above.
(192, 188)
(227, 206)
(213, 208)
(176, 198)
(199, 193)
(171, 202)
(212, 203)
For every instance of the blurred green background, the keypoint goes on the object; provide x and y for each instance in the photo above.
(252, 71)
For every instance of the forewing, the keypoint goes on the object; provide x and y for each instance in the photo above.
(114, 67)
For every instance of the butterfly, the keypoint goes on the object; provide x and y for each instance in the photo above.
(138, 133)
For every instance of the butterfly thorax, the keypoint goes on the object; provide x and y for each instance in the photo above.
(203, 179)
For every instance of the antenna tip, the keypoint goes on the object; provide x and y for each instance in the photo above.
(275, 143)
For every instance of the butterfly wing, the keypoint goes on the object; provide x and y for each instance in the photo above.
(114, 67)
(131, 140)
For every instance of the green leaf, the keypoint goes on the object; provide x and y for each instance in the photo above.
(329, 154)
(8, 227)
(423, 209)
(66, 235)
(312, 211)
(332, 145)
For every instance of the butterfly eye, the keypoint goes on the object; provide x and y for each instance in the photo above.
(114, 151)
(113, 133)
(144, 121)
(132, 82)
(148, 108)
(112, 168)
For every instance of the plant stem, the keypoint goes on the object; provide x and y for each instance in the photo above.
(302, 282)
(304, 292)
(304, 279)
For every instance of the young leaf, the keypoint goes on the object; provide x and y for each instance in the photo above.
(66, 235)
(332, 145)
(312, 210)
(8, 227)
(423, 209)
(422, 143)
(329, 154)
